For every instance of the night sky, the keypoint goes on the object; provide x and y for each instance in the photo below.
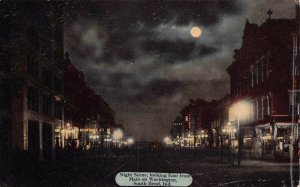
(141, 57)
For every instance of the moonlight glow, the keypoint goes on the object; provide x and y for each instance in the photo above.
(196, 32)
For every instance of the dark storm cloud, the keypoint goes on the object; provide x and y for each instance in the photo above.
(169, 50)
(156, 89)
(153, 13)
(206, 50)
(140, 56)
(176, 51)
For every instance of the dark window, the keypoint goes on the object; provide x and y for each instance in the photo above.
(46, 105)
(262, 71)
(33, 40)
(266, 106)
(47, 140)
(58, 110)
(33, 137)
(256, 109)
(47, 77)
(33, 67)
(259, 102)
(252, 77)
(4, 96)
(58, 85)
(5, 135)
(32, 46)
(255, 76)
(259, 77)
(4, 62)
(266, 68)
(33, 100)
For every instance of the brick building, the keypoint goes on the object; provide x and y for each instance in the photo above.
(88, 118)
(261, 75)
(177, 129)
(219, 118)
(31, 72)
(196, 126)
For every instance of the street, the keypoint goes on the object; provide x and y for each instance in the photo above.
(90, 169)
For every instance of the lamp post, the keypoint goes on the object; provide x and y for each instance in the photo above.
(167, 140)
(241, 111)
(230, 130)
(117, 136)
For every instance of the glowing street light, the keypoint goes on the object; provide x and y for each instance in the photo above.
(130, 141)
(167, 140)
(118, 134)
(241, 111)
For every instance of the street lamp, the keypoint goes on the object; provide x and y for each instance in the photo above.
(241, 111)
(230, 129)
(167, 140)
(117, 135)
(130, 141)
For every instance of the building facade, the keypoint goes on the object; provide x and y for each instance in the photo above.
(31, 75)
(261, 76)
(220, 116)
(88, 117)
(195, 124)
(177, 129)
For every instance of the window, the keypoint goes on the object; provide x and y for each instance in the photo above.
(262, 71)
(33, 67)
(267, 69)
(253, 109)
(58, 110)
(46, 105)
(4, 62)
(33, 100)
(58, 85)
(256, 109)
(258, 77)
(263, 107)
(47, 77)
(252, 77)
(268, 105)
(33, 45)
(4, 96)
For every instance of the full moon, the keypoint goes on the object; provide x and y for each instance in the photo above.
(196, 32)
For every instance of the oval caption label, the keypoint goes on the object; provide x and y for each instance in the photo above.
(153, 179)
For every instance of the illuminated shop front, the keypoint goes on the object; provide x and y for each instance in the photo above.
(67, 136)
(90, 137)
(282, 136)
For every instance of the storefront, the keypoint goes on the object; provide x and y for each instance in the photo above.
(282, 136)
(264, 140)
(67, 136)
